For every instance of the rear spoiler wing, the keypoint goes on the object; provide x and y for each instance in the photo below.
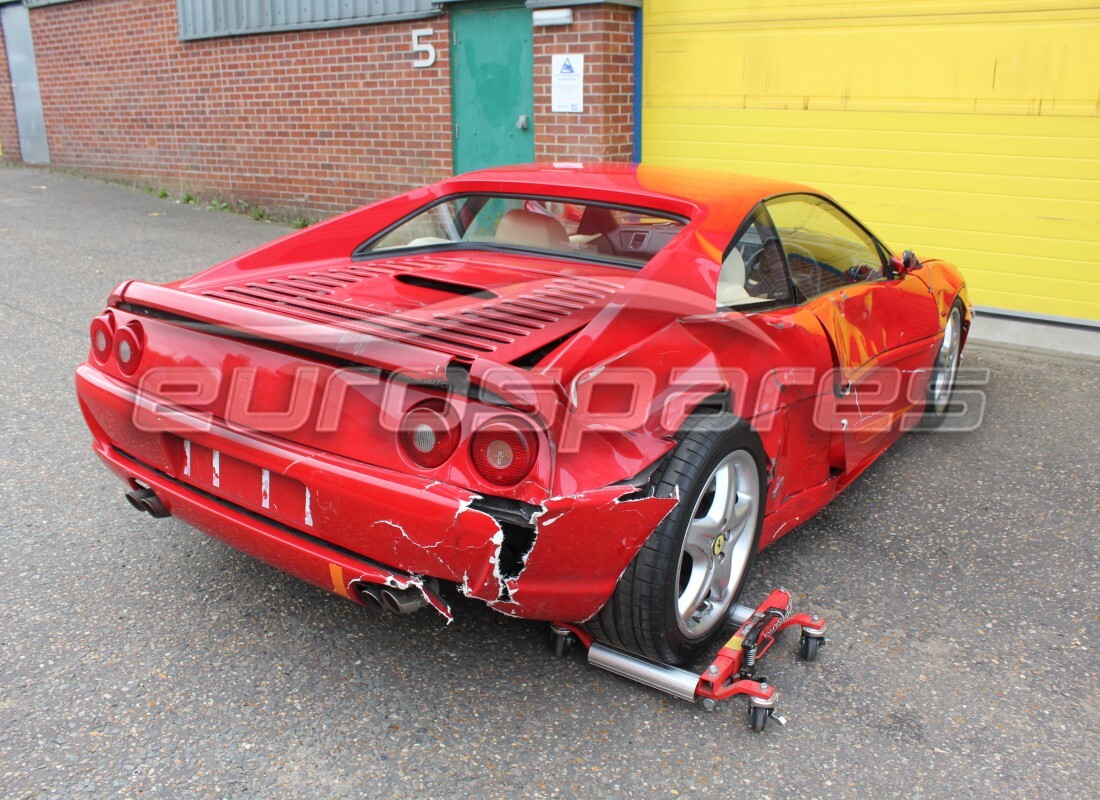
(512, 386)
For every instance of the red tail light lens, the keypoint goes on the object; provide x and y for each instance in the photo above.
(103, 337)
(429, 433)
(129, 341)
(504, 450)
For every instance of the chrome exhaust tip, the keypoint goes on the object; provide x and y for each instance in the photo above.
(369, 597)
(155, 508)
(136, 499)
(145, 500)
(402, 601)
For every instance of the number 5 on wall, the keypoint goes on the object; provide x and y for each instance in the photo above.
(426, 49)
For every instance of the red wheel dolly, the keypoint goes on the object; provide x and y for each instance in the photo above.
(733, 671)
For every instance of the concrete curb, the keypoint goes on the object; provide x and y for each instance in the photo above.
(1032, 335)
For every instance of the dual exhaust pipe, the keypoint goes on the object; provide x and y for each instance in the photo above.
(395, 601)
(146, 501)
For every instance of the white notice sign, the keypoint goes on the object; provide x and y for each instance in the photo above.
(567, 84)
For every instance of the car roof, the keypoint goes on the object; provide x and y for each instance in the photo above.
(723, 197)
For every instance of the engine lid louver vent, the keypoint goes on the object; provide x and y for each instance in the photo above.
(525, 309)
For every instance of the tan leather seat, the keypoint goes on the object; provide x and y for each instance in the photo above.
(731, 281)
(531, 229)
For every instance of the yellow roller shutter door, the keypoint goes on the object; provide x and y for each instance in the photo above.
(966, 130)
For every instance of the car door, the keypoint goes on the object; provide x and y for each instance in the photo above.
(492, 84)
(881, 328)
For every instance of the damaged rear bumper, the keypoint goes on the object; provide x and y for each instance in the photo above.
(338, 523)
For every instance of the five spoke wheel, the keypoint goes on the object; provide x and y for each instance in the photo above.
(718, 544)
(947, 363)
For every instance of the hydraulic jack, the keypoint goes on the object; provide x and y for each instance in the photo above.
(733, 671)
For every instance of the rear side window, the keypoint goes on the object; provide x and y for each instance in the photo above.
(620, 235)
(825, 248)
(754, 271)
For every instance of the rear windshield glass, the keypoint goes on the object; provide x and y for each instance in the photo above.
(627, 236)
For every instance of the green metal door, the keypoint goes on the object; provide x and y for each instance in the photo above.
(492, 85)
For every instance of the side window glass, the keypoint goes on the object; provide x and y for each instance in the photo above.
(483, 227)
(754, 271)
(825, 248)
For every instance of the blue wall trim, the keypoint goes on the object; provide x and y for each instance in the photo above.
(637, 156)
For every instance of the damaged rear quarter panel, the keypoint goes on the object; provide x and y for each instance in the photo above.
(583, 544)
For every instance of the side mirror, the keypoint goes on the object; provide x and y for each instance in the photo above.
(907, 263)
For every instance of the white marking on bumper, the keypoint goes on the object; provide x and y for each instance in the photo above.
(265, 488)
(216, 461)
(186, 457)
(309, 509)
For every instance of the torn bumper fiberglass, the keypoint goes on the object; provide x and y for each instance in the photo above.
(341, 524)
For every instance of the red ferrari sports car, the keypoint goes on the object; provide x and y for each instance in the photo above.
(583, 394)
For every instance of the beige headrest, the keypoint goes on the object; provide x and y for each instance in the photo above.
(531, 229)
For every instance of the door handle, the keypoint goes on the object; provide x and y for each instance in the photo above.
(521, 123)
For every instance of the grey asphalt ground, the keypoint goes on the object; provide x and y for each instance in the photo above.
(139, 658)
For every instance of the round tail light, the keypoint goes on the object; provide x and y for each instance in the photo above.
(128, 346)
(103, 337)
(504, 450)
(429, 433)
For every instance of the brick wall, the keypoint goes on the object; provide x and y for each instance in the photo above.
(604, 131)
(9, 136)
(310, 121)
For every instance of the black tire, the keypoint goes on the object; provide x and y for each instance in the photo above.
(941, 385)
(758, 718)
(808, 647)
(644, 615)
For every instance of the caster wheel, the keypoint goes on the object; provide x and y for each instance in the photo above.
(709, 705)
(758, 718)
(808, 647)
(563, 643)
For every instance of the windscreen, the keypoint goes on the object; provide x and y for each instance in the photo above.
(616, 234)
